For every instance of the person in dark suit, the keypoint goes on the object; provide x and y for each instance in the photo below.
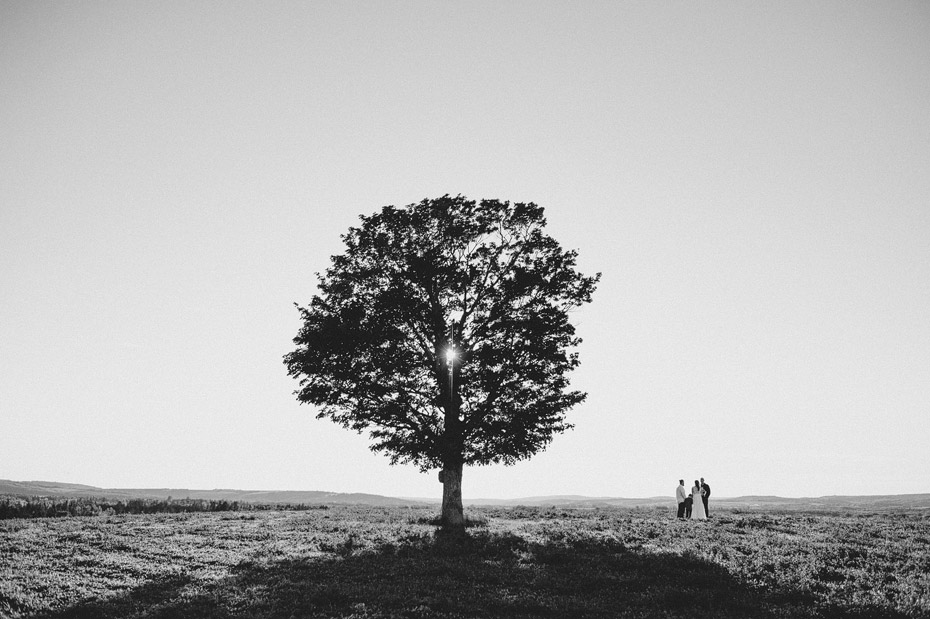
(705, 495)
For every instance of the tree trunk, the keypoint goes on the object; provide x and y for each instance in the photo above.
(453, 514)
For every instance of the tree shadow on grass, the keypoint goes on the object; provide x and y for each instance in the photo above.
(480, 575)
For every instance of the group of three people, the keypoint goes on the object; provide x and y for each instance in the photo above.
(693, 506)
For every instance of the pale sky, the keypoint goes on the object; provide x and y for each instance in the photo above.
(752, 178)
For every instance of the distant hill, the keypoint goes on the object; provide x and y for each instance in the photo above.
(836, 502)
(572, 501)
(61, 490)
(825, 503)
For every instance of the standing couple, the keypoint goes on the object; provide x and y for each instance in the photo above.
(693, 506)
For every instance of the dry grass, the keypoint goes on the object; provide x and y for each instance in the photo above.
(389, 562)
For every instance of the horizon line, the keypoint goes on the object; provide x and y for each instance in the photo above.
(538, 497)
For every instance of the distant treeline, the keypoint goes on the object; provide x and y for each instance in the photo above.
(48, 507)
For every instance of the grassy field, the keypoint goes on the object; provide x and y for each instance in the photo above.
(515, 562)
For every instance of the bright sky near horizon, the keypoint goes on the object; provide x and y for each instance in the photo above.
(753, 180)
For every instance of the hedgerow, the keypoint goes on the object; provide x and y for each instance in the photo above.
(50, 507)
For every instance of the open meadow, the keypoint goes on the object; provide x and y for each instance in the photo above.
(354, 561)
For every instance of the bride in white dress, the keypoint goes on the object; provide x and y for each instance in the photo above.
(697, 509)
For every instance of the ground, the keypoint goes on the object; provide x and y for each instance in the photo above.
(514, 562)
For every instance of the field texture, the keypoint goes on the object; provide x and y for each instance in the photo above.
(515, 562)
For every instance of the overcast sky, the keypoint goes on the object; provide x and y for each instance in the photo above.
(753, 180)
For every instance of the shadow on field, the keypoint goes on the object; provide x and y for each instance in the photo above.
(481, 575)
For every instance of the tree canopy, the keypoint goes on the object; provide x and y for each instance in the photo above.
(443, 330)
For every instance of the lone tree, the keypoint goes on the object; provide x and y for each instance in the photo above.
(443, 330)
